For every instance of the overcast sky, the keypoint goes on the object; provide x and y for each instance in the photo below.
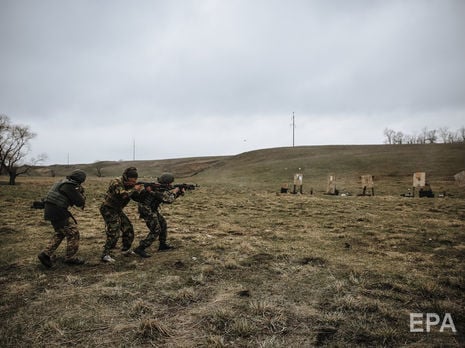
(198, 78)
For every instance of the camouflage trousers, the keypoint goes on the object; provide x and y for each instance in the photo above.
(158, 228)
(116, 224)
(66, 228)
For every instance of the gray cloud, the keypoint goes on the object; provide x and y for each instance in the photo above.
(70, 68)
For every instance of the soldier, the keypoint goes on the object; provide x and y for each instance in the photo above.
(62, 195)
(119, 193)
(150, 201)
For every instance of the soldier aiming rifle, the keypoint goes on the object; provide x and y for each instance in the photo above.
(119, 193)
(153, 195)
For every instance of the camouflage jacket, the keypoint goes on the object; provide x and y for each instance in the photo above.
(150, 201)
(118, 195)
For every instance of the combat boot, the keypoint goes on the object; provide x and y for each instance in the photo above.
(75, 261)
(141, 252)
(45, 259)
(165, 247)
(127, 251)
(107, 258)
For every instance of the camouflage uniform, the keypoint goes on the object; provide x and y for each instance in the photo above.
(64, 229)
(61, 196)
(117, 197)
(148, 209)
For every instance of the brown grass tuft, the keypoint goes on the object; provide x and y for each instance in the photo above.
(153, 329)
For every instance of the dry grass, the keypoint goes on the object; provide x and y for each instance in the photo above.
(252, 269)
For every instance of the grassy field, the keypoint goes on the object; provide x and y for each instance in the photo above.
(252, 268)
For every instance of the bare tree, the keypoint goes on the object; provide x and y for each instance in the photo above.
(4, 126)
(398, 138)
(426, 136)
(410, 139)
(421, 139)
(461, 134)
(99, 171)
(444, 134)
(14, 145)
(4, 129)
(389, 134)
(453, 137)
(431, 136)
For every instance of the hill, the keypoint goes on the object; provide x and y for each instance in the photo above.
(392, 166)
(181, 168)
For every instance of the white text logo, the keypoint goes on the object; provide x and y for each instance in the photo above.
(431, 319)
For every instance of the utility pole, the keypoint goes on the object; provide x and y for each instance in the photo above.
(293, 129)
(134, 149)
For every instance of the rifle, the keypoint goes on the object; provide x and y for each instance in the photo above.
(167, 187)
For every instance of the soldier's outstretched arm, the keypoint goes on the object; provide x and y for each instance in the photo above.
(74, 194)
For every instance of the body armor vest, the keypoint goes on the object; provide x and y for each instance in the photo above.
(54, 196)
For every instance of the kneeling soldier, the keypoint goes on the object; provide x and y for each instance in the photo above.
(62, 195)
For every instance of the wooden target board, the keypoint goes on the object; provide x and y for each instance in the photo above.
(298, 179)
(419, 179)
(367, 181)
(460, 178)
(331, 187)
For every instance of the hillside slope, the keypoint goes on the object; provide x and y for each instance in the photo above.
(181, 168)
(392, 166)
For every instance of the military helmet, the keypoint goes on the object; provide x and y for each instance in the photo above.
(166, 178)
(130, 172)
(78, 175)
